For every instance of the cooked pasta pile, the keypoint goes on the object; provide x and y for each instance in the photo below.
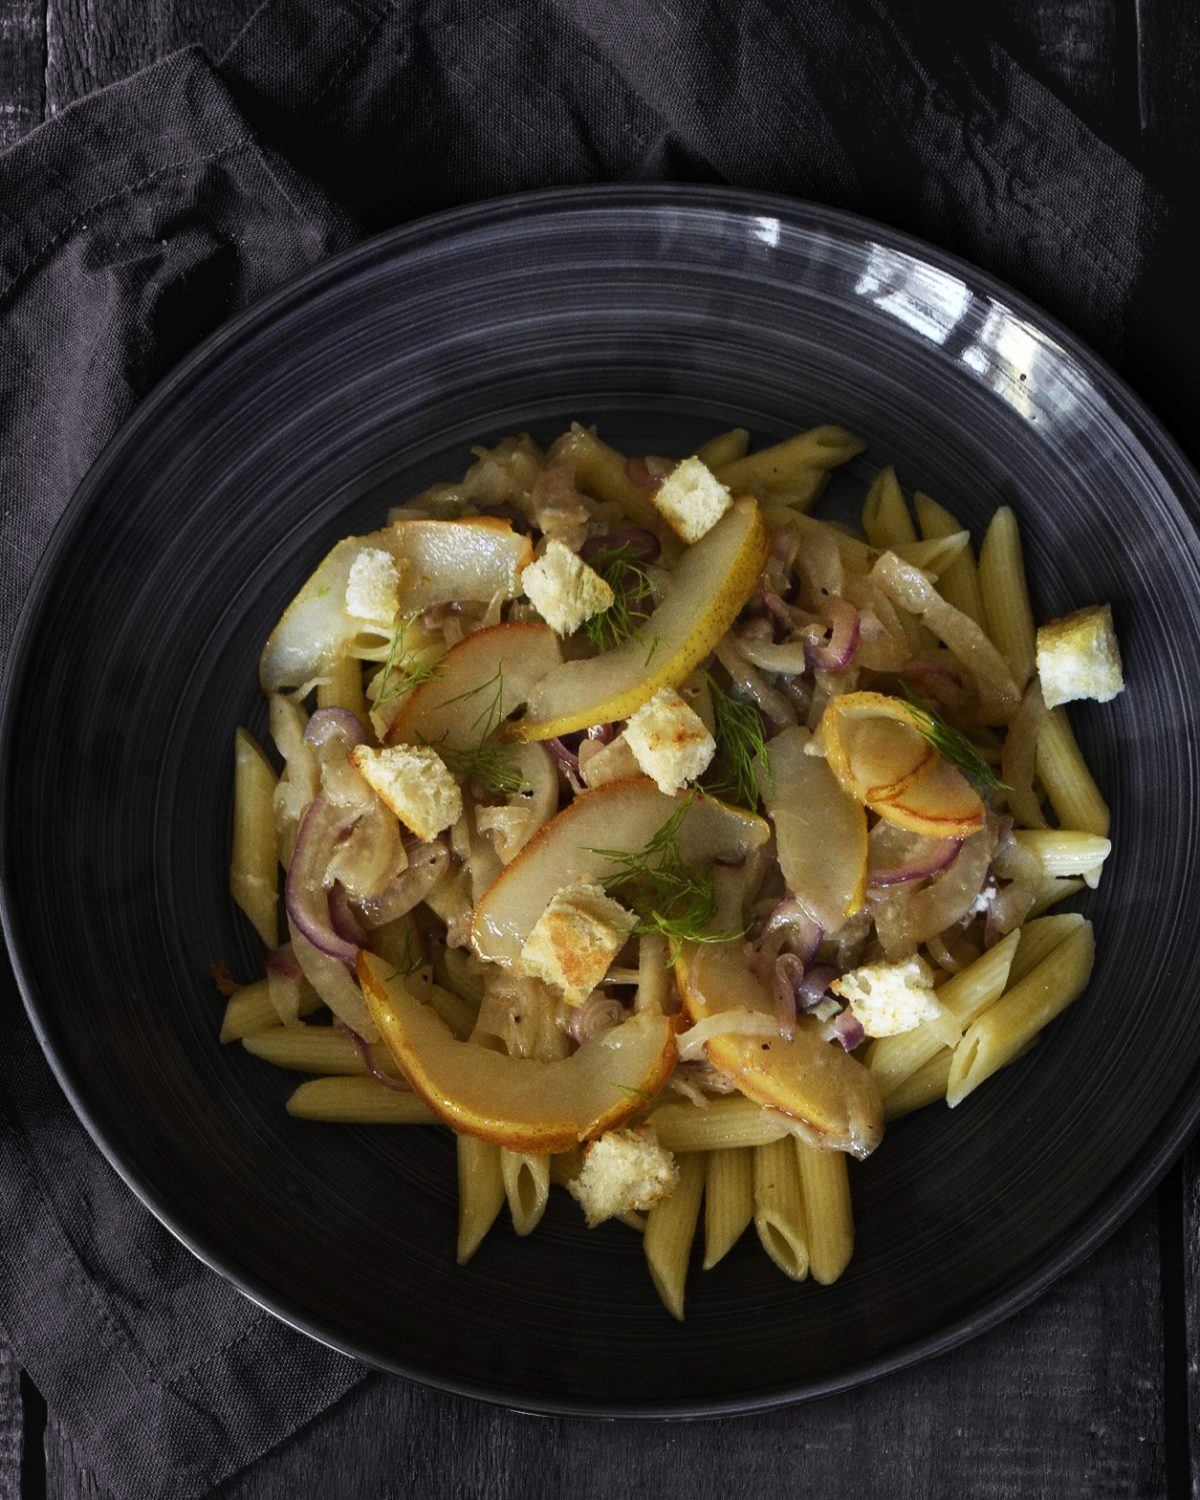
(664, 841)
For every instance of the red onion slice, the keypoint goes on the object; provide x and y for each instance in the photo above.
(849, 1029)
(649, 472)
(599, 1012)
(333, 731)
(305, 896)
(427, 863)
(367, 1052)
(813, 988)
(282, 962)
(836, 654)
(567, 762)
(918, 869)
(798, 927)
(341, 914)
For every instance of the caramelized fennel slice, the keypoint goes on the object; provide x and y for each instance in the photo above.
(523, 1103)
(811, 1081)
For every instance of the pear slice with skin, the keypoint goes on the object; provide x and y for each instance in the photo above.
(940, 803)
(619, 815)
(479, 682)
(830, 1094)
(438, 561)
(520, 1102)
(709, 585)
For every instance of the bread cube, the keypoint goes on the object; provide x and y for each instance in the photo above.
(373, 588)
(669, 741)
(575, 940)
(1078, 657)
(887, 998)
(691, 499)
(623, 1171)
(563, 589)
(415, 782)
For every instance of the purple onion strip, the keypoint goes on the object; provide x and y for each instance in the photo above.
(918, 869)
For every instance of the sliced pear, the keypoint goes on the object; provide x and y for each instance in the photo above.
(941, 803)
(878, 755)
(439, 561)
(873, 746)
(820, 830)
(519, 1102)
(619, 815)
(708, 587)
(486, 677)
(814, 1082)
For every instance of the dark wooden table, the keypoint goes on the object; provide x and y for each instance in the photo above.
(1094, 1391)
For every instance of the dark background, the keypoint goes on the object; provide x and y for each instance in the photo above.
(1095, 1391)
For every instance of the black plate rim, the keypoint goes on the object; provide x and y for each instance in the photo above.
(1094, 1226)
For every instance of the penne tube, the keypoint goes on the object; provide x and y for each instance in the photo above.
(958, 580)
(926, 1086)
(724, 448)
(885, 517)
(1006, 595)
(253, 865)
(670, 1230)
(1065, 851)
(1003, 1032)
(1018, 759)
(526, 1178)
(480, 1192)
(773, 470)
(731, 1121)
(825, 1186)
(632, 1220)
(728, 1201)
(601, 471)
(933, 557)
(250, 1010)
(1038, 939)
(342, 687)
(316, 1049)
(1073, 794)
(963, 996)
(779, 1207)
(1051, 891)
(358, 1101)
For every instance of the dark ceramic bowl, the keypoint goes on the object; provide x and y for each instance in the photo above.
(662, 314)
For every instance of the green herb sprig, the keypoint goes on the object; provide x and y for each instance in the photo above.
(626, 573)
(950, 743)
(486, 763)
(402, 669)
(666, 894)
(742, 747)
(410, 959)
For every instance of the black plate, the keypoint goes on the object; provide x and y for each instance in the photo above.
(663, 314)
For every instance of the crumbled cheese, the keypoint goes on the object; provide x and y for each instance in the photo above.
(691, 499)
(623, 1171)
(563, 589)
(669, 741)
(575, 940)
(889, 998)
(1078, 657)
(373, 588)
(415, 782)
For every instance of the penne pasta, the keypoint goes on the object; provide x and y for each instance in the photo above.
(885, 517)
(358, 1101)
(725, 448)
(728, 1201)
(480, 1192)
(958, 580)
(779, 1207)
(1073, 794)
(1051, 891)
(1002, 1033)
(316, 1049)
(526, 1180)
(935, 556)
(342, 687)
(732, 1121)
(601, 471)
(1006, 595)
(670, 1230)
(250, 1010)
(1038, 939)
(773, 470)
(1065, 851)
(926, 1086)
(253, 865)
(825, 1185)
(965, 995)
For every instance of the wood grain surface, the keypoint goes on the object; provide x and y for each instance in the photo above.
(1093, 1391)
